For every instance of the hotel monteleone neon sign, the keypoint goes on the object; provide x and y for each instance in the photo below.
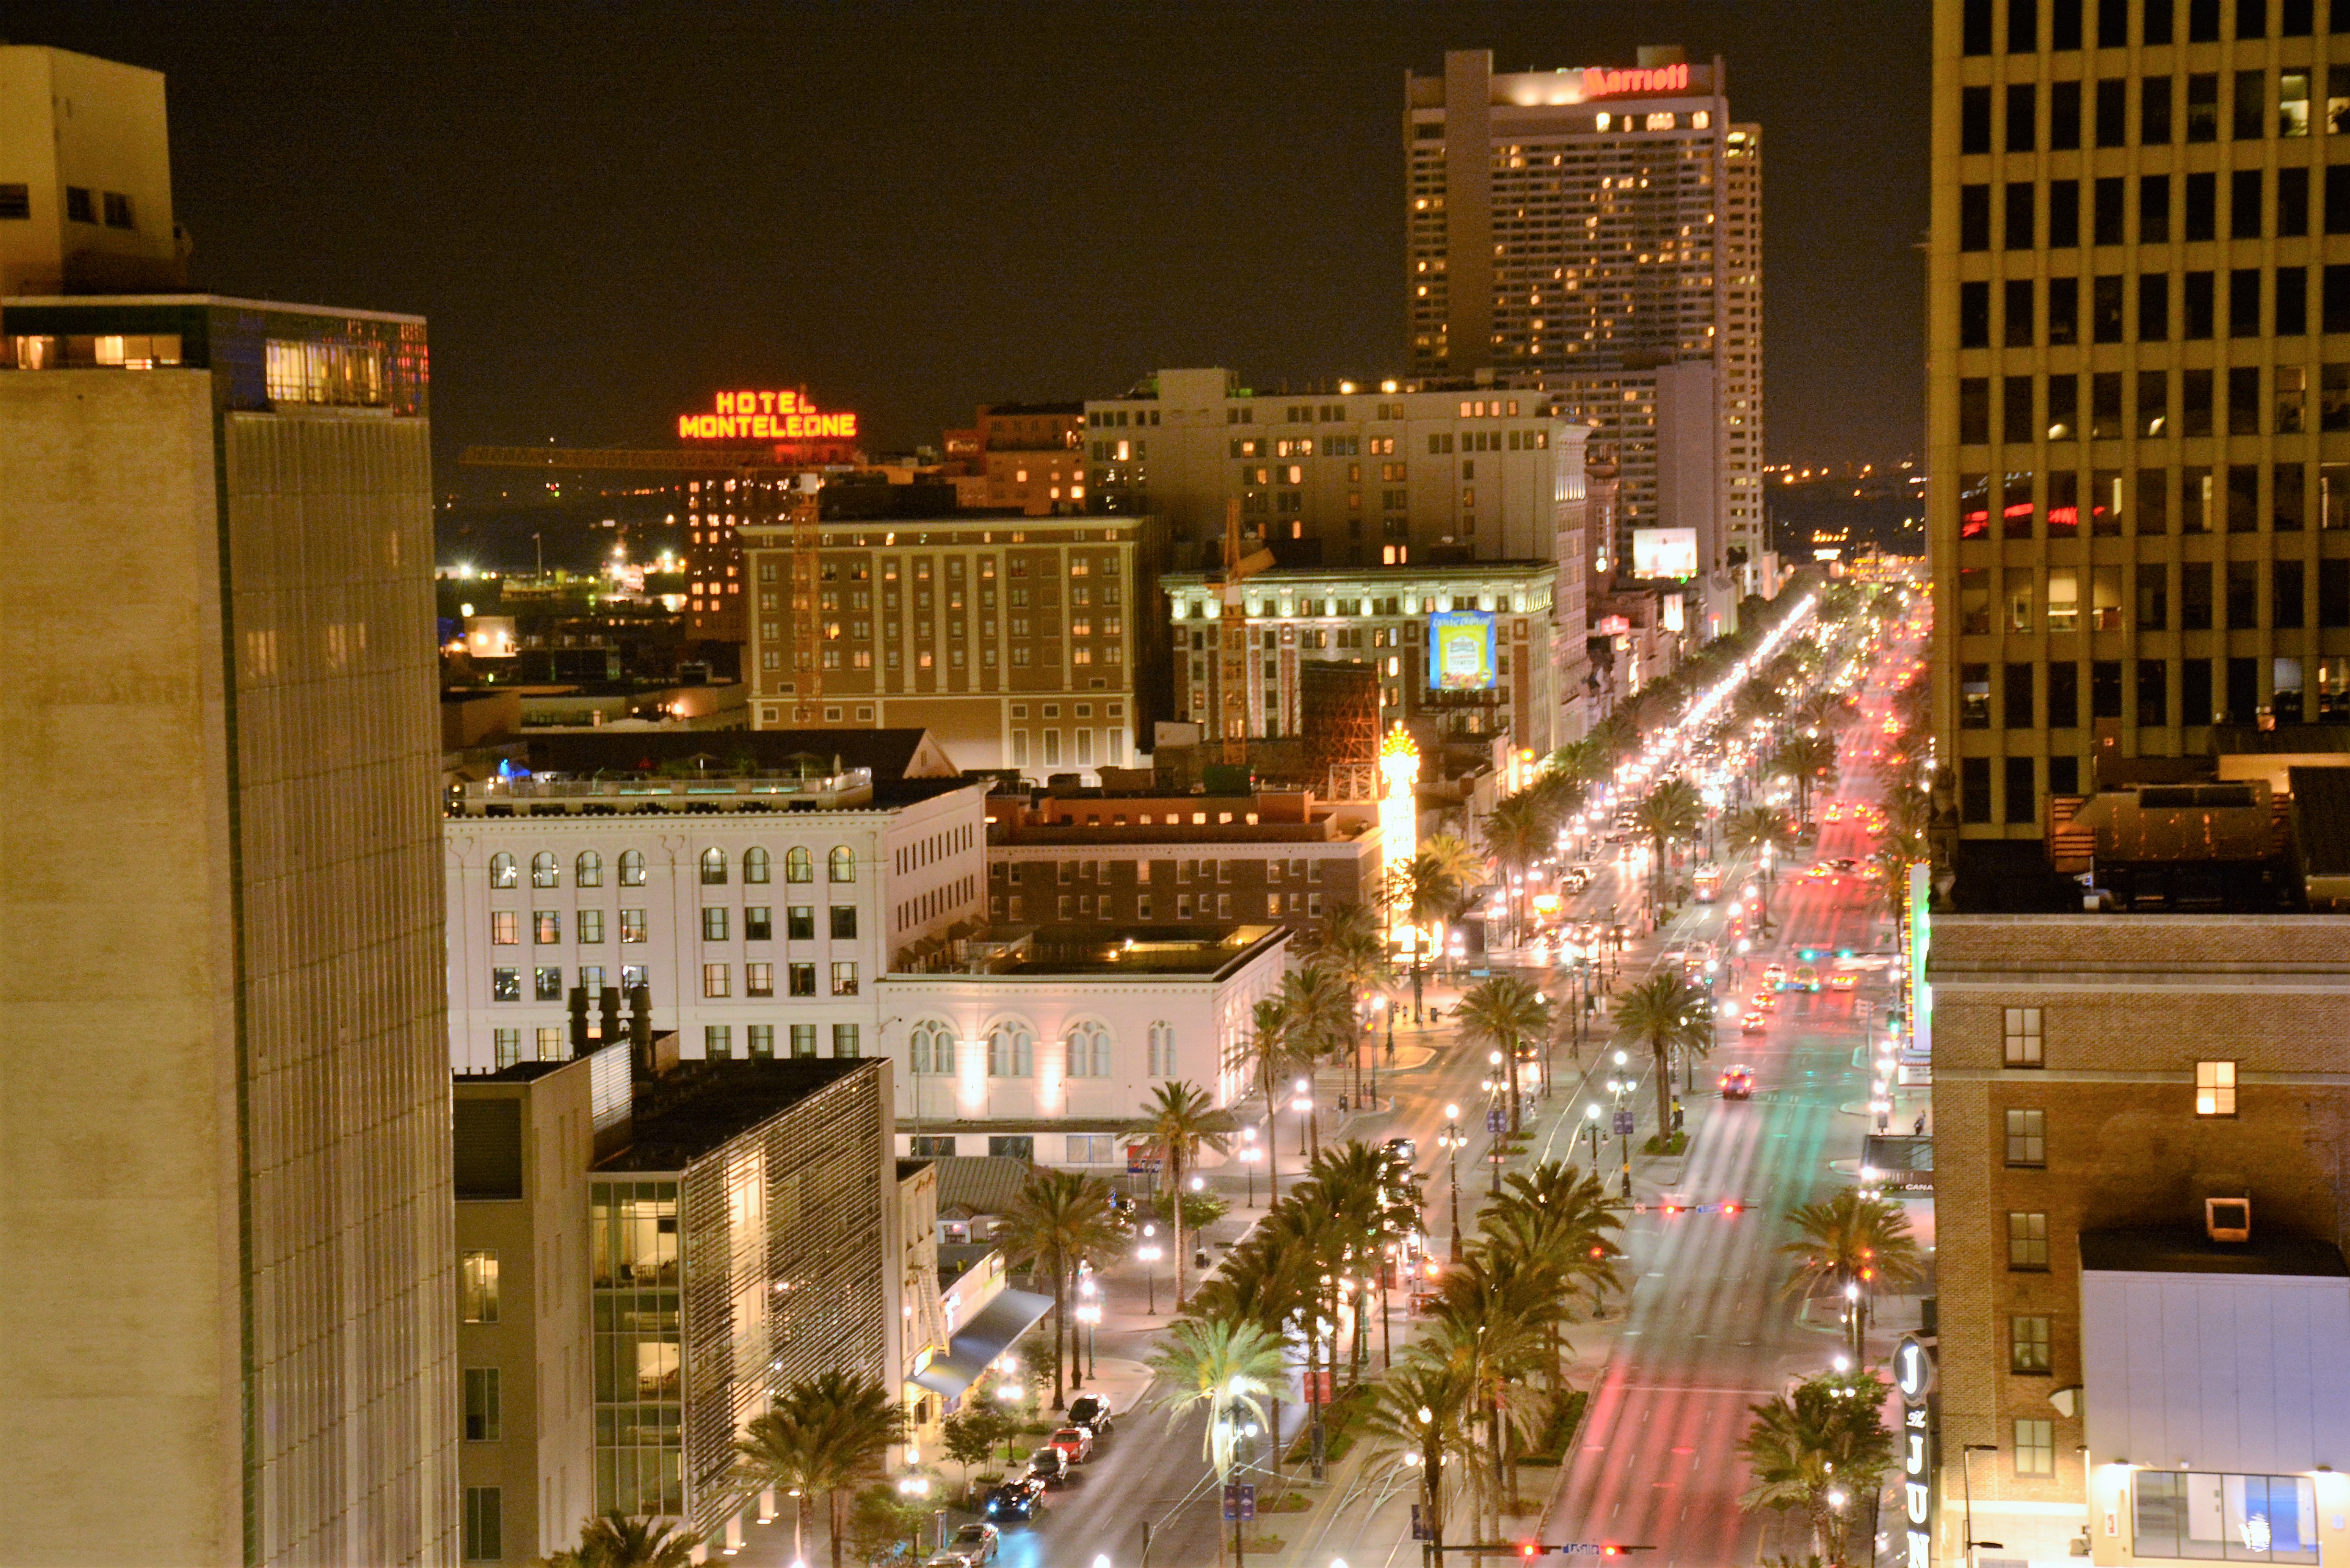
(765, 416)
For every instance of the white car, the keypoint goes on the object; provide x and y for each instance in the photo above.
(975, 1545)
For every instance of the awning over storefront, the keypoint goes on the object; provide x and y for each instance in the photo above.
(987, 1335)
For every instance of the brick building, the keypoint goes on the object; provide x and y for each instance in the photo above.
(2096, 1080)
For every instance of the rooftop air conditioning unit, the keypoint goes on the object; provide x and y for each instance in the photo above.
(2228, 1218)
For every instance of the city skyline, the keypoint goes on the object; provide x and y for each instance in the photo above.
(925, 182)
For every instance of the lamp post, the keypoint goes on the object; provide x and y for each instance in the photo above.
(1452, 1141)
(1250, 1155)
(1148, 1253)
(1089, 1312)
(1304, 1105)
(1966, 1478)
(1591, 1123)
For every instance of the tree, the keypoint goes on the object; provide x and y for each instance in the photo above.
(1275, 1056)
(1461, 865)
(1496, 1318)
(1427, 895)
(1520, 831)
(1853, 1238)
(1505, 1012)
(617, 1541)
(1821, 1450)
(1177, 1121)
(1357, 960)
(1226, 1369)
(1268, 1280)
(1363, 1200)
(1060, 1220)
(1669, 812)
(970, 1435)
(1318, 1014)
(1758, 827)
(881, 1527)
(1664, 1012)
(1558, 1213)
(824, 1435)
(1418, 1415)
(1806, 760)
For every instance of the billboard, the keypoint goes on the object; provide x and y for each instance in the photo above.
(1664, 552)
(1461, 650)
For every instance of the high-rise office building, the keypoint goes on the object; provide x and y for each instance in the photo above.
(2139, 427)
(1597, 232)
(227, 1111)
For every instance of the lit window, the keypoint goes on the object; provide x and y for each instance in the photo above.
(714, 868)
(632, 868)
(2027, 1241)
(2022, 1029)
(2027, 1138)
(545, 871)
(505, 928)
(715, 980)
(2035, 1448)
(502, 871)
(841, 865)
(2027, 1344)
(477, 1286)
(2215, 1088)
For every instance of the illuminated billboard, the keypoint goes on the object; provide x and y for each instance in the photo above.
(765, 416)
(1664, 553)
(1461, 650)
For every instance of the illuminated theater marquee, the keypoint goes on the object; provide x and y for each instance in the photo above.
(765, 416)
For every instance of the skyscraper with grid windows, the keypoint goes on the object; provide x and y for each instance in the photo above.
(2138, 404)
(1566, 229)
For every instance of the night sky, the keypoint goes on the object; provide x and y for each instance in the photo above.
(608, 211)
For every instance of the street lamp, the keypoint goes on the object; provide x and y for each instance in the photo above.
(1250, 1155)
(1148, 1253)
(1591, 1120)
(1967, 1478)
(1304, 1105)
(1452, 1141)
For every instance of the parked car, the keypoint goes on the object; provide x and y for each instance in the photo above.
(1090, 1411)
(975, 1544)
(949, 1559)
(1016, 1499)
(1738, 1083)
(1048, 1465)
(1077, 1442)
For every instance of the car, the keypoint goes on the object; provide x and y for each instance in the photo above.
(1016, 1499)
(1077, 1442)
(1738, 1083)
(1776, 977)
(1091, 1411)
(1765, 1001)
(1405, 1152)
(949, 1559)
(1835, 811)
(975, 1544)
(1807, 978)
(1843, 981)
(1842, 863)
(1049, 1466)
(1754, 1023)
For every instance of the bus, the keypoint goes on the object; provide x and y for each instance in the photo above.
(1708, 882)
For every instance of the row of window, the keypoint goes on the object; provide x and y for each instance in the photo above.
(1976, 804)
(717, 980)
(2224, 498)
(1086, 906)
(2158, 22)
(1079, 1148)
(2062, 709)
(1010, 1048)
(588, 869)
(2030, 409)
(2235, 607)
(759, 1040)
(2253, 113)
(717, 925)
(2244, 302)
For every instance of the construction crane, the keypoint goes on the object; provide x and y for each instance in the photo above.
(808, 626)
(1233, 644)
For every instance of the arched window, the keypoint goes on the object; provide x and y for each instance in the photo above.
(502, 871)
(589, 869)
(1162, 1049)
(632, 867)
(755, 865)
(841, 866)
(545, 870)
(933, 1045)
(1011, 1050)
(714, 868)
(1088, 1044)
(799, 866)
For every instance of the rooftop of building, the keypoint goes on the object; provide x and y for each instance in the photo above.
(991, 525)
(910, 1168)
(2182, 1250)
(1023, 952)
(980, 1184)
(1019, 411)
(707, 1104)
(76, 302)
(514, 1072)
(888, 755)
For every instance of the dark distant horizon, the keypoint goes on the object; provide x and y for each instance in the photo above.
(610, 212)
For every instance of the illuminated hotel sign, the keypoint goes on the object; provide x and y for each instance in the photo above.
(765, 416)
(1913, 1379)
(1598, 82)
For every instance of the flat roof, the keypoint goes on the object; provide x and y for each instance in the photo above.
(710, 1104)
(2178, 1250)
(889, 753)
(273, 307)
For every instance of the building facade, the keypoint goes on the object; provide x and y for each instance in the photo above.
(2140, 479)
(1097, 863)
(674, 884)
(240, 742)
(1018, 642)
(85, 196)
(2098, 1081)
(1032, 457)
(1380, 620)
(1579, 230)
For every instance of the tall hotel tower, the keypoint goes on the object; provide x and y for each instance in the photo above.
(2140, 388)
(224, 1091)
(1597, 232)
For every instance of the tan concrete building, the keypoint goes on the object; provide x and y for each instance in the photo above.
(84, 177)
(226, 1102)
(1033, 457)
(1017, 642)
(2097, 1081)
(2139, 415)
(525, 1137)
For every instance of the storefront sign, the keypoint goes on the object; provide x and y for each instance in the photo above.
(1601, 83)
(1913, 1379)
(765, 416)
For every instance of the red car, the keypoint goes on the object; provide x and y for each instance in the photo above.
(1738, 1083)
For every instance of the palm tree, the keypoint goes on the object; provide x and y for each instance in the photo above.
(1270, 1047)
(1226, 1368)
(1358, 959)
(1822, 1449)
(617, 1541)
(1426, 894)
(1853, 1240)
(1060, 1220)
(1177, 1121)
(1665, 1012)
(1757, 827)
(823, 1435)
(1418, 1416)
(1672, 810)
(1558, 1212)
(1581, 762)
(1497, 1320)
(1319, 1010)
(1461, 865)
(1806, 760)
(1268, 1280)
(1519, 831)
(1505, 1012)
(1366, 1201)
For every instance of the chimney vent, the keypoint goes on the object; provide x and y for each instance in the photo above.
(2228, 1218)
